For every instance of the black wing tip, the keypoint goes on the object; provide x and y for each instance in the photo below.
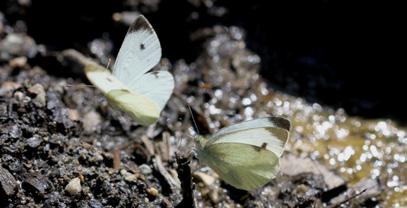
(140, 23)
(281, 122)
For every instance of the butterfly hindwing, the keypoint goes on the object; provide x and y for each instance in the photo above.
(142, 109)
(102, 78)
(243, 166)
(156, 85)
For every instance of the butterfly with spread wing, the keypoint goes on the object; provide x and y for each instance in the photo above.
(131, 86)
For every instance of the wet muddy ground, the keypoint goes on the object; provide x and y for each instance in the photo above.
(63, 145)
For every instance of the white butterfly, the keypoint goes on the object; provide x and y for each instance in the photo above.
(131, 86)
(246, 155)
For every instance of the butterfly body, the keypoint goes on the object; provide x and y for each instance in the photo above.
(246, 155)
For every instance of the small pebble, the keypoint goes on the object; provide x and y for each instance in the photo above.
(205, 178)
(129, 177)
(73, 114)
(15, 132)
(34, 141)
(123, 172)
(145, 169)
(74, 186)
(91, 121)
(21, 97)
(40, 98)
(17, 45)
(98, 157)
(18, 62)
(152, 191)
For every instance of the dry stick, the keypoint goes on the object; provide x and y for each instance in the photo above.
(76, 60)
(80, 85)
(116, 159)
(158, 165)
(184, 175)
(348, 199)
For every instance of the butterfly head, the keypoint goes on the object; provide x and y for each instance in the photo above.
(200, 141)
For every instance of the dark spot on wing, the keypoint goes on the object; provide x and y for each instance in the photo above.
(264, 145)
(108, 79)
(140, 23)
(281, 122)
(155, 73)
(142, 46)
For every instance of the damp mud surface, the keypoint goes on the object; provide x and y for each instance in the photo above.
(63, 145)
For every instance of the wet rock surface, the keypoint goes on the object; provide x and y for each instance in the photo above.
(63, 145)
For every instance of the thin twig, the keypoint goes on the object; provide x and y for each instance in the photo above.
(348, 199)
(116, 159)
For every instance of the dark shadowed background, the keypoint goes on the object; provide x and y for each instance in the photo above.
(340, 54)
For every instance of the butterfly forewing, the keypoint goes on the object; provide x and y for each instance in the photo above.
(276, 122)
(103, 78)
(272, 139)
(139, 53)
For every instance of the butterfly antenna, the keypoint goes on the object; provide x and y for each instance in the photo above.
(193, 119)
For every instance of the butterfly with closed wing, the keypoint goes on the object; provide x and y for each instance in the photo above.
(246, 155)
